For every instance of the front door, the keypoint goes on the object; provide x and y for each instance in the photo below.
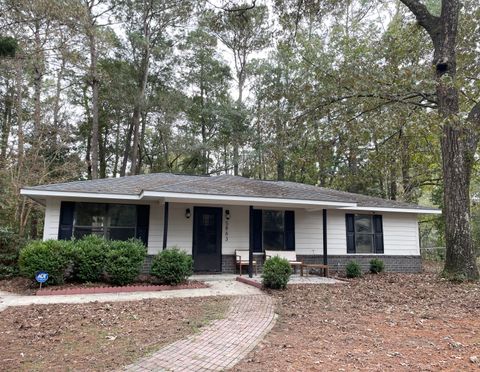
(207, 239)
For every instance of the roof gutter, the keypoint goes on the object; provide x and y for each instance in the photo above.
(219, 199)
(69, 194)
(398, 210)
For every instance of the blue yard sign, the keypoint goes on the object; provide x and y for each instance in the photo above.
(41, 277)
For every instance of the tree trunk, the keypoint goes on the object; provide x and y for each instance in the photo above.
(117, 148)
(95, 88)
(19, 113)
(7, 122)
(58, 90)
(236, 132)
(86, 106)
(37, 84)
(140, 100)
(126, 153)
(102, 152)
(458, 142)
(141, 144)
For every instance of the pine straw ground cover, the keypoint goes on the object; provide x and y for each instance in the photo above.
(382, 322)
(98, 336)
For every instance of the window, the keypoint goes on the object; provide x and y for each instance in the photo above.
(274, 230)
(364, 233)
(113, 221)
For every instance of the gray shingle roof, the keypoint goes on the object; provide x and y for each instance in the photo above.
(225, 185)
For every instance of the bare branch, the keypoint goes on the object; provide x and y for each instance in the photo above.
(233, 8)
(428, 21)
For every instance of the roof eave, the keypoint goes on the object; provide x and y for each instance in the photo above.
(187, 197)
(218, 199)
(397, 210)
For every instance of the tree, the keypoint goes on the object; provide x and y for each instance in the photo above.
(459, 139)
(244, 30)
(148, 23)
(8, 46)
(206, 79)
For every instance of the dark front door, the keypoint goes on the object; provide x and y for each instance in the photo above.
(207, 239)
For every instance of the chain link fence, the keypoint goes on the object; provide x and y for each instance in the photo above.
(433, 253)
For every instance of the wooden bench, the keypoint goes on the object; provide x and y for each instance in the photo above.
(290, 256)
(325, 268)
(242, 259)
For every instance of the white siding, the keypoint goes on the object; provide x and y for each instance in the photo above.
(400, 233)
(52, 219)
(155, 228)
(180, 228)
(308, 232)
(238, 229)
(400, 229)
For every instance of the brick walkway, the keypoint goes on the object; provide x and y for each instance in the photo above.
(220, 345)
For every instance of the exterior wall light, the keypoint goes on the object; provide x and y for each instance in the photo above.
(227, 214)
(188, 213)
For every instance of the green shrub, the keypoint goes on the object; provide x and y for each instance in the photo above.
(89, 255)
(52, 256)
(172, 266)
(276, 273)
(353, 270)
(124, 260)
(10, 244)
(376, 266)
(10, 241)
(7, 271)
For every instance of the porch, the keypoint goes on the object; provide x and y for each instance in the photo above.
(213, 233)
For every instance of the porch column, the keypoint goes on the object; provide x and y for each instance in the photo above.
(165, 225)
(325, 250)
(250, 245)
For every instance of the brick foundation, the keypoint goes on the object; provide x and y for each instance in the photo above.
(400, 264)
(228, 264)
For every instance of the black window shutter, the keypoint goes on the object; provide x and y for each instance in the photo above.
(350, 224)
(257, 230)
(65, 229)
(143, 218)
(378, 231)
(289, 230)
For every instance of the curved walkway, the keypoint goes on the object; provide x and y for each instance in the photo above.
(220, 345)
(216, 288)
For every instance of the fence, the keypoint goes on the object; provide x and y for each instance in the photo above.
(433, 253)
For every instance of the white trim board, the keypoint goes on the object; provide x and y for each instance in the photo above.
(398, 210)
(312, 205)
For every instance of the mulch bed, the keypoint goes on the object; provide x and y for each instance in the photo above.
(379, 322)
(98, 336)
(25, 286)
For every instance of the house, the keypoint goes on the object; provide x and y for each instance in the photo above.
(211, 217)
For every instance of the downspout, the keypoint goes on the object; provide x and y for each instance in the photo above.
(250, 245)
(325, 250)
(165, 225)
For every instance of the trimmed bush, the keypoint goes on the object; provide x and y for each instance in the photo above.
(89, 255)
(276, 273)
(52, 256)
(124, 260)
(353, 270)
(172, 266)
(376, 266)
